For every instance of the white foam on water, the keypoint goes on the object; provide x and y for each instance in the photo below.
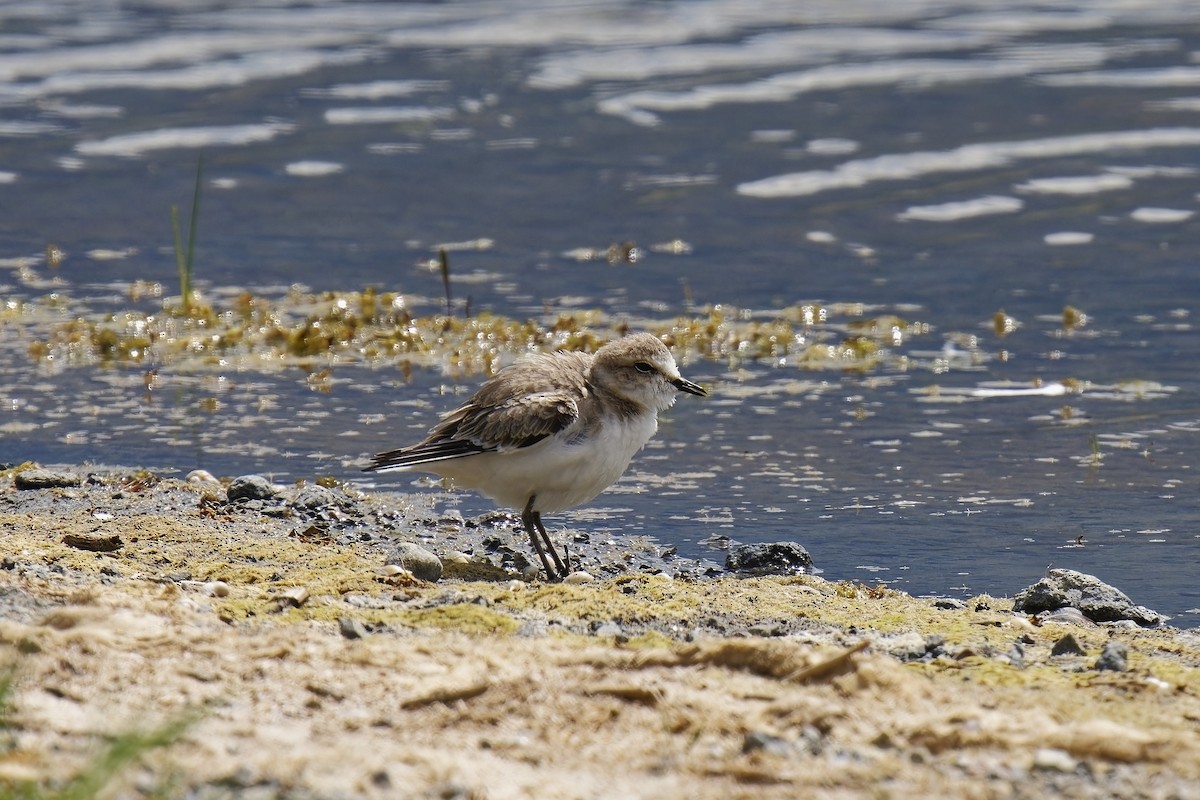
(1076, 184)
(313, 169)
(371, 115)
(968, 158)
(963, 209)
(1066, 238)
(136, 144)
(1161, 215)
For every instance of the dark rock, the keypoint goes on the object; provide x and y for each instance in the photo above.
(767, 742)
(1114, 658)
(423, 564)
(250, 487)
(1067, 646)
(949, 604)
(1097, 600)
(45, 479)
(776, 558)
(96, 542)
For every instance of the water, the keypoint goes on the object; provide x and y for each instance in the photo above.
(939, 162)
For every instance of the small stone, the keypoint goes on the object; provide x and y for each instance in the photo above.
(1067, 646)
(423, 564)
(906, 647)
(1114, 657)
(608, 629)
(312, 496)
(766, 742)
(45, 479)
(949, 604)
(352, 628)
(777, 558)
(456, 557)
(216, 589)
(296, 596)
(1016, 655)
(201, 476)
(251, 487)
(1052, 758)
(577, 577)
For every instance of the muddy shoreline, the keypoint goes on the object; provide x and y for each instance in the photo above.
(316, 669)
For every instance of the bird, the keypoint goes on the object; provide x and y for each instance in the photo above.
(551, 431)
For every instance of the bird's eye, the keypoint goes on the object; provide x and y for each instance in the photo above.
(644, 368)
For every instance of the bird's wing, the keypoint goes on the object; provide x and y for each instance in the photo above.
(505, 414)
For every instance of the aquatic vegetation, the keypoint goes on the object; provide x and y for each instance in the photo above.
(378, 328)
(186, 259)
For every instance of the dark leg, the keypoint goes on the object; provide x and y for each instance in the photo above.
(563, 568)
(533, 526)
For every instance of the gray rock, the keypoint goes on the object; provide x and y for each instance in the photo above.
(1097, 600)
(1067, 646)
(352, 628)
(1114, 657)
(423, 564)
(250, 487)
(45, 479)
(776, 558)
(609, 630)
(313, 496)
(909, 646)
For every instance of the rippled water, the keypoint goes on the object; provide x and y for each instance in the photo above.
(939, 162)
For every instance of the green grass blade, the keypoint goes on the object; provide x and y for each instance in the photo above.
(185, 283)
(192, 224)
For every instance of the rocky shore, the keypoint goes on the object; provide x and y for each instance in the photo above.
(321, 642)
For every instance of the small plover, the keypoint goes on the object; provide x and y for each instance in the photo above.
(551, 431)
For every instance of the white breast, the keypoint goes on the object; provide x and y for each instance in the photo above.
(560, 473)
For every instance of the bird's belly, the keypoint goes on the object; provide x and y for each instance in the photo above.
(561, 474)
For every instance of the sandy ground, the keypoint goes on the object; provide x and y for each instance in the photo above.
(314, 672)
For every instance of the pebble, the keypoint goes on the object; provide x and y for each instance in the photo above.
(766, 742)
(201, 476)
(251, 487)
(776, 558)
(1055, 759)
(423, 564)
(1067, 646)
(609, 629)
(216, 589)
(352, 628)
(578, 576)
(906, 647)
(295, 596)
(1097, 600)
(45, 479)
(1113, 658)
(313, 496)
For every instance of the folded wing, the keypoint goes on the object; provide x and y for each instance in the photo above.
(503, 415)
